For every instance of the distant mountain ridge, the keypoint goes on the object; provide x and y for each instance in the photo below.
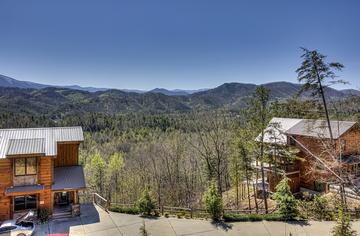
(9, 82)
(280, 89)
(175, 92)
(59, 101)
(6, 81)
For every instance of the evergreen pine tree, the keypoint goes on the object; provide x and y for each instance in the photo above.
(146, 203)
(213, 202)
(286, 202)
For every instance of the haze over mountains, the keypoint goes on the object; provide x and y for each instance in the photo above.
(34, 98)
(6, 81)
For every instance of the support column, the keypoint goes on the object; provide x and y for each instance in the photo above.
(76, 197)
(75, 208)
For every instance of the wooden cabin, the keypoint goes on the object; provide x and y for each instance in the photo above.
(39, 168)
(309, 138)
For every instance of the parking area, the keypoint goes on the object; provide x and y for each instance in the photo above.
(95, 221)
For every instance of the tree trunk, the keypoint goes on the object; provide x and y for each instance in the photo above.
(237, 191)
(248, 190)
(262, 173)
(325, 104)
(263, 187)
(255, 197)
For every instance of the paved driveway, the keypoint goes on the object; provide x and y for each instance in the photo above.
(95, 221)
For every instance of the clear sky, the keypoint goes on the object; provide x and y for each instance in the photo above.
(185, 44)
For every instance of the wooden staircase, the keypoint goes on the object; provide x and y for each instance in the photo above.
(62, 212)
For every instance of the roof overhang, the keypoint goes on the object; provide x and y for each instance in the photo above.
(68, 178)
(27, 189)
(26, 155)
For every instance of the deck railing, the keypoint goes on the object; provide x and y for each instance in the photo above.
(101, 201)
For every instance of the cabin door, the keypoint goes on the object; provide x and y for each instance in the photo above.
(61, 198)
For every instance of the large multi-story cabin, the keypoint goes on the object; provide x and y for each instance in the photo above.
(310, 139)
(39, 168)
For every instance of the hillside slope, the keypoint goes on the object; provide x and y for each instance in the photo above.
(59, 101)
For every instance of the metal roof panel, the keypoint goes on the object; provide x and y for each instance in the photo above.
(274, 132)
(319, 128)
(26, 146)
(50, 135)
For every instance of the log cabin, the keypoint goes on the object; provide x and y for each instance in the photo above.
(39, 168)
(308, 138)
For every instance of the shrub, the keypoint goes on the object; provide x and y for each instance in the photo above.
(146, 204)
(343, 225)
(252, 217)
(125, 210)
(213, 202)
(43, 214)
(306, 196)
(286, 202)
(156, 213)
(166, 215)
(320, 208)
(305, 208)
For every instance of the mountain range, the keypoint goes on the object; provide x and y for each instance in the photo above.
(33, 98)
(9, 82)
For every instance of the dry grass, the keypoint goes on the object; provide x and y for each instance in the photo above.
(229, 198)
(351, 203)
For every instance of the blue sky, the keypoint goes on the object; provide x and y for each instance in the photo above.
(185, 44)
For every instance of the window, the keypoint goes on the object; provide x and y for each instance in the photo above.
(31, 166)
(24, 202)
(25, 166)
(20, 166)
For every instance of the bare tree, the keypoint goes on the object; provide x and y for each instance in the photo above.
(211, 137)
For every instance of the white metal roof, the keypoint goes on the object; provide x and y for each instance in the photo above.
(279, 128)
(28, 146)
(27, 140)
(274, 132)
(320, 129)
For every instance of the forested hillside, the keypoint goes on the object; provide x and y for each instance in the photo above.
(168, 143)
(58, 102)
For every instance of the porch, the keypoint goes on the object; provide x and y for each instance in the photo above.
(275, 174)
(66, 204)
(68, 181)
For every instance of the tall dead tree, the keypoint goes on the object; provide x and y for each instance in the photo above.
(317, 74)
